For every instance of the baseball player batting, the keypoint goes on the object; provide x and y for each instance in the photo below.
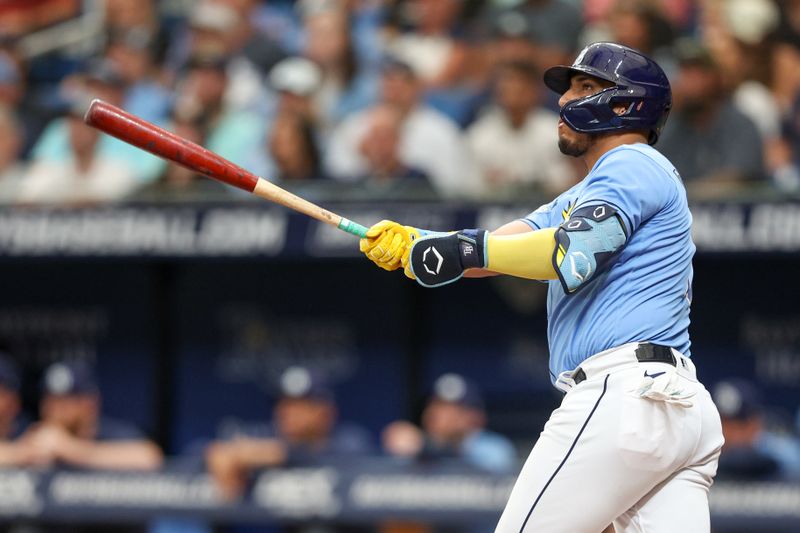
(636, 439)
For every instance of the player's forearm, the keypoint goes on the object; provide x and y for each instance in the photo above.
(516, 228)
(524, 255)
(124, 455)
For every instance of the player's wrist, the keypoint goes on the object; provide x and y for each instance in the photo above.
(439, 259)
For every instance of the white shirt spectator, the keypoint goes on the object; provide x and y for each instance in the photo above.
(756, 102)
(524, 156)
(430, 142)
(62, 182)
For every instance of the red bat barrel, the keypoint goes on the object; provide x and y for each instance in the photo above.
(158, 141)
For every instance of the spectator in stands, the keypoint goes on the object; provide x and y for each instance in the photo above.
(427, 38)
(294, 138)
(73, 164)
(225, 28)
(751, 451)
(11, 141)
(554, 27)
(296, 80)
(20, 18)
(228, 130)
(345, 86)
(11, 79)
(784, 44)
(12, 451)
(453, 426)
(741, 40)
(510, 39)
(85, 176)
(293, 148)
(706, 137)
(514, 143)
(304, 431)
(121, 15)
(429, 142)
(641, 24)
(380, 148)
(132, 50)
(73, 433)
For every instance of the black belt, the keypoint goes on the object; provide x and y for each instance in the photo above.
(646, 353)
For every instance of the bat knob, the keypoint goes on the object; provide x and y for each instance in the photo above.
(90, 110)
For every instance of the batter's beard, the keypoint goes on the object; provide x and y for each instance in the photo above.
(576, 147)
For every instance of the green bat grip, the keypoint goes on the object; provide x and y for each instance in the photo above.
(353, 227)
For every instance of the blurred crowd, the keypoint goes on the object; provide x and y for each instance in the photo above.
(68, 429)
(305, 428)
(433, 97)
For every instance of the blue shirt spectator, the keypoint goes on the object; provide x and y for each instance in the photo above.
(453, 427)
(73, 434)
(304, 431)
(751, 451)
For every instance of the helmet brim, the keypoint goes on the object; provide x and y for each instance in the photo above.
(557, 78)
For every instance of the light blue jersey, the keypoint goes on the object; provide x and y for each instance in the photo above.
(644, 292)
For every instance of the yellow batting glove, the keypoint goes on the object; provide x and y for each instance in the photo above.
(387, 243)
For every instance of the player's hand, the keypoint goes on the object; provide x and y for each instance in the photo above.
(388, 243)
(403, 439)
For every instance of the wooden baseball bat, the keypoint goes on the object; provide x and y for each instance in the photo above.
(158, 141)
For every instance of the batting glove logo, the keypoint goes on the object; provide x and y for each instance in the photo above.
(439, 261)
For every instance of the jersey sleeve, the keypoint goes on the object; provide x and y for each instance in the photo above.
(632, 183)
(542, 217)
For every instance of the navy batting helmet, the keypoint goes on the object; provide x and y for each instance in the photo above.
(639, 84)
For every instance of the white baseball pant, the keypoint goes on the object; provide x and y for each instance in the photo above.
(636, 444)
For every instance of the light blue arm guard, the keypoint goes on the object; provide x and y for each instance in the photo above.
(586, 243)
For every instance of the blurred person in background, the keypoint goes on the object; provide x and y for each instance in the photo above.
(751, 452)
(430, 36)
(509, 39)
(453, 427)
(429, 142)
(679, 13)
(514, 143)
(296, 80)
(714, 146)
(12, 84)
(426, 37)
(554, 25)
(12, 139)
(71, 162)
(124, 15)
(346, 87)
(224, 28)
(785, 85)
(293, 148)
(293, 126)
(741, 37)
(72, 432)
(132, 50)
(380, 149)
(21, 17)
(12, 423)
(203, 115)
(85, 174)
(304, 431)
(284, 23)
(643, 25)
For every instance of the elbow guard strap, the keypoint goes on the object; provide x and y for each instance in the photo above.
(586, 243)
